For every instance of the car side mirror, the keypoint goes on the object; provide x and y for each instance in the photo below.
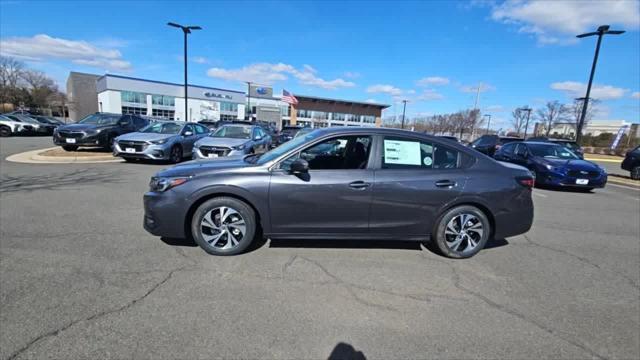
(300, 166)
(188, 133)
(257, 138)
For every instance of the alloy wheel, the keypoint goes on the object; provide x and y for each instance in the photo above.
(223, 227)
(463, 233)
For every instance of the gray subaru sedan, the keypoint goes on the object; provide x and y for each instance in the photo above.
(165, 140)
(344, 183)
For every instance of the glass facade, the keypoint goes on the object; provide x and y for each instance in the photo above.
(224, 117)
(134, 110)
(163, 100)
(167, 114)
(228, 107)
(368, 119)
(133, 97)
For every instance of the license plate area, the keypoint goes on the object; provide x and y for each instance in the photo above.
(130, 150)
(582, 181)
(70, 141)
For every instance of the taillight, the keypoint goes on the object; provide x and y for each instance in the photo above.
(525, 181)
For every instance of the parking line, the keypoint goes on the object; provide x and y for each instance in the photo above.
(622, 186)
(541, 195)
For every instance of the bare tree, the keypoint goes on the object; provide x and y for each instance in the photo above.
(552, 113)
(576, 111)
(10, 76)
(518, 119)
(40, 87)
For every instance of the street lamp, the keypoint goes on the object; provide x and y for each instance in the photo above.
(602, 30)
(488, 123)
(186, 30)
(526, 125)
(404, 108)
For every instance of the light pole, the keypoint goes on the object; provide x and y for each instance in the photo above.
(526, 125)
(404, 108)
(186, 30)
(602, 30)
(488, 123)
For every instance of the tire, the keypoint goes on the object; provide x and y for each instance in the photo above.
(217, 237)
(70, 147)
(635, 173)
(109, 144)
(5, 131)
(448, 226)
(175, 156)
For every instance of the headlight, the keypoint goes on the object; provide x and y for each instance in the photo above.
(549, 167)
(161, 184)
(159, 142)
(238, 147)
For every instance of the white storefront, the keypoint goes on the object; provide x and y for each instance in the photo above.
(121, 95)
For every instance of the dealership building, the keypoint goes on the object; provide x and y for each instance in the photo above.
(127, 95)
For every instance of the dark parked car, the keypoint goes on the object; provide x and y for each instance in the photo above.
(287, 133)
(452, 138)
(97, 130)
(488, 144)
(631, 163)
(554, 165)
(569, 144)
(364, 183)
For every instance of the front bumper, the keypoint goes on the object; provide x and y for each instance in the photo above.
(564, 180)
(215, 152)
(143, 150)
(79, 139)
(165, 213)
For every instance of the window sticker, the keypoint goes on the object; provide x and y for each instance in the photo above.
(402, 152)
(427, 161)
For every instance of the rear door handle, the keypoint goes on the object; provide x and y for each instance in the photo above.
(359, 185)
(445, 183)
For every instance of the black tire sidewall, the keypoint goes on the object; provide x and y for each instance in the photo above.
(245, 210)
(635, 173)
(5, 131)
(175, 148)
(440, 239)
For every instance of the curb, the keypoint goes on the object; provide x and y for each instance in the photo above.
(604, 160)
(615, 180)
(34, 157)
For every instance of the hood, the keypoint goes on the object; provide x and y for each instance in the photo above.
(140, 136)
(574, 164)
(81, 127)
(221, 141)
(196, 167)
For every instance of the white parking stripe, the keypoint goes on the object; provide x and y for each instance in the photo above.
(622, 186)
(538, 194)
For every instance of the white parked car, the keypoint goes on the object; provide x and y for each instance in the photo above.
(9, 127)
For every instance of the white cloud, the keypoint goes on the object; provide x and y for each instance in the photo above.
(43, 47)
(433, 81)
(373, 101)
(351, 75)
(200, 60)
(576, 89)
(267, 73)
(384, 89)
(559, 21)
(429, 95)
(636, 95)
(474, 88)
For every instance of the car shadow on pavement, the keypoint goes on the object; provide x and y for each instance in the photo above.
(343, 351)
(345, 244)
(564, 189)
(179, 242)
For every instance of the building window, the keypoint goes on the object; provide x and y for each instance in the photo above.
(338, 116)
(167, 114)
(352, 118)
(285, 110)
(304, 113)
(134, 110)
(319, 115)
(224, 117)
(133, 97)
(229, 107)
(163, 100)
(368, 119)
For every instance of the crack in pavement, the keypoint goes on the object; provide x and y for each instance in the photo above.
(582, 259)
(504, 309)
(56, 332)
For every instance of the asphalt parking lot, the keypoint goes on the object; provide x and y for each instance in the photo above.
(80, 278)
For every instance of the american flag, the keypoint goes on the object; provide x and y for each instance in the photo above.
(289, 98)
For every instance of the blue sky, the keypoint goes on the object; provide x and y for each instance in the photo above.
(432, 53)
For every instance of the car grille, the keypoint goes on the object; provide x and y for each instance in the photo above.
(218, 150)
(583, 174)
(138, 145)
(71, 134)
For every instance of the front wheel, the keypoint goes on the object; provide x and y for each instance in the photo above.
(635, 173)
(176, 154)
(223, 226)
(5, 131)
(462, 232)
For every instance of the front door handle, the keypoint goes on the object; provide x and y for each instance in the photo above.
(445, 183)
(359, 185)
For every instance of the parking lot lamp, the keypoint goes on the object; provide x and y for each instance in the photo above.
(602, 30)
(186, 30)
(489, 122)
(404, 108)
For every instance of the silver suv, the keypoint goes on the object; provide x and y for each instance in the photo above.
(233, 140)
(9, 127)
(166, 140)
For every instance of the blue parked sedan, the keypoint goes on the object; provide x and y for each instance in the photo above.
(553, 164)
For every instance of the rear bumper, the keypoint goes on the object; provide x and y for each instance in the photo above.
(513, 223)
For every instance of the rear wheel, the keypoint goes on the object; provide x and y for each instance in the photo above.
(5, 131)
(462, 232)
(223, 226)
(70, 147)
(635, 173)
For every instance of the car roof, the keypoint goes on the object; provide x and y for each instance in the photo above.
(540, 143)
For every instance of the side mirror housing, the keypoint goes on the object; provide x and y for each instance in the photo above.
(300, 166)
(188, 133)
(257, 138)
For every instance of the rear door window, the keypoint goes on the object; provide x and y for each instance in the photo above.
(405, 153)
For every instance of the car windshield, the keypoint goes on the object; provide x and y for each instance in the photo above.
(162, 128)
(551, 151)
(286, 147)
(303, 132)
(235, 132)
(100, 119)
(25, 118)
